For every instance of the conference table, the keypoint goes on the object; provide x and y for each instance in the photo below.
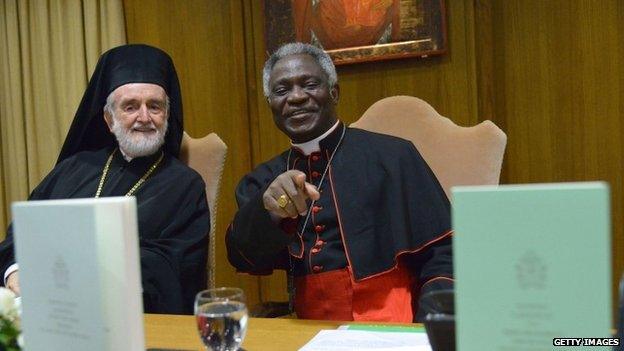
(180, 333)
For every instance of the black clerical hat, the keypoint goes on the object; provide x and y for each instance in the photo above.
(116, 67)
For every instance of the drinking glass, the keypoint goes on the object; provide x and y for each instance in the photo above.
(221, 318)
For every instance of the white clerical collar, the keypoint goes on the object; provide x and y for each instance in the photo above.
(313, 145)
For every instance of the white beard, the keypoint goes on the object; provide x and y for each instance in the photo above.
(137, 144)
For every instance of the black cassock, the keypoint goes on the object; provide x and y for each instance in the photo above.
(172, 215)
(389, 202)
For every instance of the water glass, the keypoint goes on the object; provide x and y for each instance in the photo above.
(221, 318)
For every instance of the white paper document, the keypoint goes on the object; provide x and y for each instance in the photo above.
(342, 340)
(79, 274)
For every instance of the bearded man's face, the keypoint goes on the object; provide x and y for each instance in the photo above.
(139, 118)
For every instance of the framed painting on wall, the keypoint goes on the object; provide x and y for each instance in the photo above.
(358, 30)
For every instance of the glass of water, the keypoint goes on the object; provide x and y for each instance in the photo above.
(221, 318)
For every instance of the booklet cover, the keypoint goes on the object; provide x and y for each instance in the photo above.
(532, 264)
(79, 274)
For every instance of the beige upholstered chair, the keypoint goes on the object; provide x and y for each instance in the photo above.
(457, 155)
(207, 157)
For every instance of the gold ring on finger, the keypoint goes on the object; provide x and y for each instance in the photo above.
(283, 201)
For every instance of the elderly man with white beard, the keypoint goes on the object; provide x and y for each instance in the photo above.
(124, 141)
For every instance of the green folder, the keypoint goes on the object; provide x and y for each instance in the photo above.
(532, 263)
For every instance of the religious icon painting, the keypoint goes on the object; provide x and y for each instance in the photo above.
(353, 31)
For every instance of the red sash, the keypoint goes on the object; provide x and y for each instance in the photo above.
(334, 295)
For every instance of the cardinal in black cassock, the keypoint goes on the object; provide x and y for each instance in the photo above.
(171, 201)
(357, 219)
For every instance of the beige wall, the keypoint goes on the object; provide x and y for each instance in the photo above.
(548, 72)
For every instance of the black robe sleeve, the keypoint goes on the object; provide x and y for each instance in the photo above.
(7, 252)
(173, 264)
(435, 273)
(255, 244)
(7, 256)
(434, 267)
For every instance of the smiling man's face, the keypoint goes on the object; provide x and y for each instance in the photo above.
(139, 118)
(300, 98)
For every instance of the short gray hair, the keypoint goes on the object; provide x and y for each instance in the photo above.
(320, 56)
(109, 107)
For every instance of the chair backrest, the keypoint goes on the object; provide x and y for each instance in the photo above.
(207, 157)
(457, 155)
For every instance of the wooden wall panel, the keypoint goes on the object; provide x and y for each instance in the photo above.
(206, 42)
(557, 76)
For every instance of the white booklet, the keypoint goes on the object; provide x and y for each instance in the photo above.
(79, 274)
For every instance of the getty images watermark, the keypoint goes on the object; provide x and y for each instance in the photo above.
(586, 342)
